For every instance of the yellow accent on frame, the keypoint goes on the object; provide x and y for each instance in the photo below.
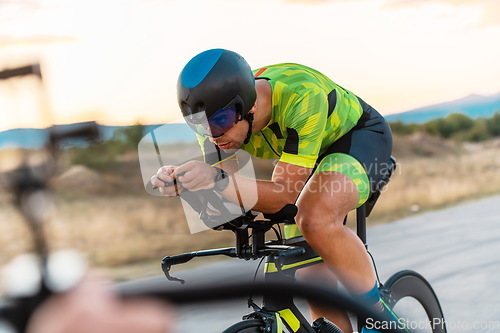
(291, 230)
(271, 267)
(290, 319)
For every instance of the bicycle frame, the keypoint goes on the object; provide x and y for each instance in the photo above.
(284, 257)
(287, 270)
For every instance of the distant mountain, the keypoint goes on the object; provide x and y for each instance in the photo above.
(474, 106)
(32, 138)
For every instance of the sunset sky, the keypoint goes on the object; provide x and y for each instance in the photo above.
(117, 61)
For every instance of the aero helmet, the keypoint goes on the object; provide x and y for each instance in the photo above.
(217, 83)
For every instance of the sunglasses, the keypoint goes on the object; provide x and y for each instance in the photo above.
(218, 124)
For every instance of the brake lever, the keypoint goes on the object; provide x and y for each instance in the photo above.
(166, 271)
(167, 262)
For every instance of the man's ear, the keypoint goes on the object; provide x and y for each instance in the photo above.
(252, 110)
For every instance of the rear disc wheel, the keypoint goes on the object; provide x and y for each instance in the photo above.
(414, 301)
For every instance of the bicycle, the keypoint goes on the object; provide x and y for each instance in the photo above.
(17, 309)
(290, 252)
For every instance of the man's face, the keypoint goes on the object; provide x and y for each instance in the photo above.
(234, 137)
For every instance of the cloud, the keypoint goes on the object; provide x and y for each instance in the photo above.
(490, 8)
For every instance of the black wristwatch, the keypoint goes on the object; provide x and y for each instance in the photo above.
(221, 180)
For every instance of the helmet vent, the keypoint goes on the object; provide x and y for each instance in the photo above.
(200, 107)
(186, 110)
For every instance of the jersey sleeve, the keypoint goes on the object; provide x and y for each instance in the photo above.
(305, 123)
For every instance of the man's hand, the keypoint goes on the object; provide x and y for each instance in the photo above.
(166, 175)
(195, 175)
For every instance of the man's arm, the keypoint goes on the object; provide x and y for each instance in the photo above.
(272, 195)
(284, 188)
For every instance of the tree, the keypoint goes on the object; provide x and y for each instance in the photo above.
(458, 122)
(437, 127)
(450, 126)
(129, 136)
(494, 124)
(401, 128)
(479, 132)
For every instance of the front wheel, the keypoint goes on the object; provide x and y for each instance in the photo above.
(414, 301)
(247, 326)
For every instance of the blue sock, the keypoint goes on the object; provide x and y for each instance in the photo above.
(373, 300)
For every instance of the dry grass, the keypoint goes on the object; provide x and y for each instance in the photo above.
(111, 230)
(122, 229)
(124, 225)
(422, 183)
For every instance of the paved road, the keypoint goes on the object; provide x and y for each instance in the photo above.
(456, 249)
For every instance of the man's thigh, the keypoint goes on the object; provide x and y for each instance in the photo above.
(326, 198)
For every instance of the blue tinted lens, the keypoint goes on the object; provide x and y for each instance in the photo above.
(223, 120)
(217, 125)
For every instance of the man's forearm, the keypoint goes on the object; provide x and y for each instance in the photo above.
(271, 196)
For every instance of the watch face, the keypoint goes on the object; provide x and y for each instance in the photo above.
(221, 180)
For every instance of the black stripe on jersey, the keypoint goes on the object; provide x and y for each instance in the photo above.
(292, 142)
(332, 101)
(275, 127)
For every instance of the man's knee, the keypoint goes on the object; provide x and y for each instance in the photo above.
(308, 221)
(313, 224)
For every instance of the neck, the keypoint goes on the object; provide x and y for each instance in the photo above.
(263, 105)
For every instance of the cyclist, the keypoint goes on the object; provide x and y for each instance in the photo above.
(331, 145)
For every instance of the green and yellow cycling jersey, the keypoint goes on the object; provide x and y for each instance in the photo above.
(309, 113)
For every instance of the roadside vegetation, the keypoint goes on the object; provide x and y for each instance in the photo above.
(103, 210)
(456, 126)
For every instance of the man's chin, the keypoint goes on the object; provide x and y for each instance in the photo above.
(236, 146)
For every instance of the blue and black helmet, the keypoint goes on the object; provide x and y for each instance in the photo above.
(213, 80)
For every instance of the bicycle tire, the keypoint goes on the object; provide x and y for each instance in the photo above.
(409, 284)
(247, 326)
